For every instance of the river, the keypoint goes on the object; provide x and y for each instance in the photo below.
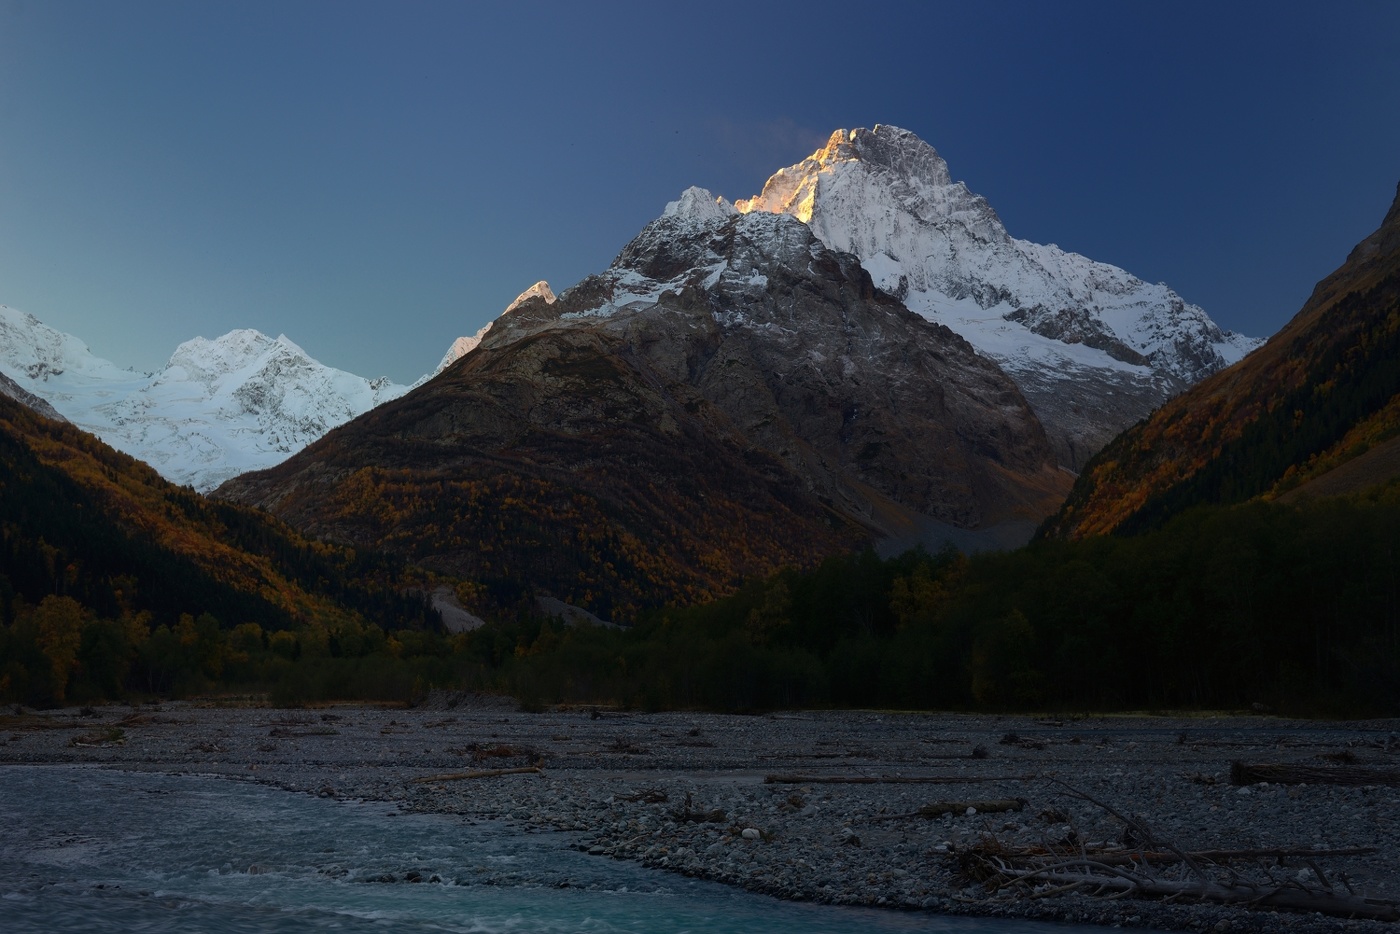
(85, 849)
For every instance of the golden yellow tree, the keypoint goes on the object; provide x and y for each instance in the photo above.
(60, 621)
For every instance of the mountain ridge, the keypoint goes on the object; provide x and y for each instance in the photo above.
(1320, 392)
(1091, 346)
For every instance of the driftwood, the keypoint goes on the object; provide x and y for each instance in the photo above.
(649, 796)
(1116, 872)
(482, 773)
(1243, 774)
(687, 814)
(1102, 878)
(890, 779)
(939, 808)
(111, 736)
(1128, 857)
(283, 732)
(995, 806)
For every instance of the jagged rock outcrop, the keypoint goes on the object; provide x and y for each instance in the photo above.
(24, 397)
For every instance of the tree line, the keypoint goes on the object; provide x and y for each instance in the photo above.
(1292, 607)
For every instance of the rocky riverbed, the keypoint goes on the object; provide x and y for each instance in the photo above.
(900, 810)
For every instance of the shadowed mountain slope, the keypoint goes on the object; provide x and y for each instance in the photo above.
(80, 520)
(1321, 393)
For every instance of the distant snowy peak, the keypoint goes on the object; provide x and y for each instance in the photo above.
(230, 352)
(458, 349)
(33, 352)
(218, 408)
(887, 196)
(461, 347)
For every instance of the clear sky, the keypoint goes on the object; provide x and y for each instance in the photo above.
(375, 179)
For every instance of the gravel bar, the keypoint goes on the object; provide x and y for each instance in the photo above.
(688, 792)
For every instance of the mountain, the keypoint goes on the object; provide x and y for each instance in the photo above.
(218, 408)
(83, 521)
(1315, 411)
(1092, 348)
(728, 397)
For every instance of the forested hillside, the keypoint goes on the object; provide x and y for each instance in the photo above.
(1292, 608)
(99, 555)
(115, 583)
(1324, 390)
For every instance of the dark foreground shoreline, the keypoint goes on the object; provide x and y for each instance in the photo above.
(678, 791)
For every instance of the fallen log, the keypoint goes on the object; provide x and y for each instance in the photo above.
(1253, 894)
(1284, 774)
(283, 732)
(1114, 873)
(891, 779)
(649, 796)
(1225, 856)
(997, 806)
(1128, 857)
(481, 773)
(687, 816)
(939, 808)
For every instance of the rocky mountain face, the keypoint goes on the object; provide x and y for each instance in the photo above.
(1092, 347)
(24, 397)
(729, 396)
(218, 408)
(1315, 411)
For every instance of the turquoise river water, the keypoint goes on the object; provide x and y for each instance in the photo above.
(91, 850)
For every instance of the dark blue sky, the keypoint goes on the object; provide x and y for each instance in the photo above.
(375, 179)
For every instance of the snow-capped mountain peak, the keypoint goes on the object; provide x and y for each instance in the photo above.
(202, 358)
(218, 408)
(856, 164)
(699, 205)
(1077, 335)
(33, 352)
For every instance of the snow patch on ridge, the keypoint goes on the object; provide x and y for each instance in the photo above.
(697, 226)
(465, 345)
(540, 289)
